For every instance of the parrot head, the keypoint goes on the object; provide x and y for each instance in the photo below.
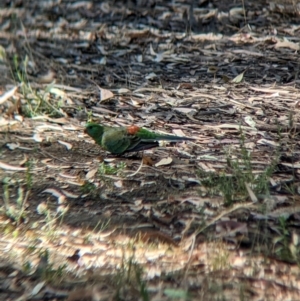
(94, 130)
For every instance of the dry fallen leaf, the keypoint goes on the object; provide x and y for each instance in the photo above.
(58, 92)
(37, 288)
(12, 146)
(91, 173)
(11, 167)
(105, 94)
(238, 78)
(148, 161)
(36, 137)
(164, 161)
(287, 44)
(4, 97)
(250, 121)
(123, 91)
(61, 198)
(42, 208)
(66, 144)
(252, 195)
(151, 75)
(118, 184)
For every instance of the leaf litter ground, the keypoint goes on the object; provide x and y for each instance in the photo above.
(187, 220)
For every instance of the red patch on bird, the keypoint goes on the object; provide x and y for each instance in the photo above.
(133, 129)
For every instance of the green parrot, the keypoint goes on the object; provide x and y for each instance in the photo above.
(120, 140)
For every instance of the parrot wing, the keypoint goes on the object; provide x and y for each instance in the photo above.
(117, 141)
(142, 145)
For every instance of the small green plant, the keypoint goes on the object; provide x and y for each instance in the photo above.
(176, 294)
(219, 258)
(282, 242)
(88, 188)
(55, 275)
(37, 101)
(239, 172)
(27, 267)
(100, 227)
(89, 116)
(110, 169)
(46, 270)
(2, 54)
(20, 69)
(130, 279)
(15, 210)
(29, 176)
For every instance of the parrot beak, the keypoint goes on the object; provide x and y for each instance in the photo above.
(85, 131)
